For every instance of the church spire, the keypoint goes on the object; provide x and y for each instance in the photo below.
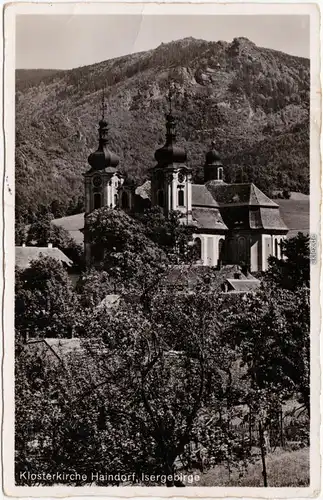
(103, 124)
(170, 120)
(103, 158)
(170, 153)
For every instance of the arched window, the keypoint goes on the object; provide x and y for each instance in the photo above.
(276, 248)
(180, 198)
(221, 250)
(220, 174)
(198, 248)
(97, 200)
(242, 250)
(124, 200)
(115, 200)
(160, 198)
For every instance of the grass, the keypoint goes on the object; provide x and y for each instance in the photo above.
(296, 215)
(284, 469)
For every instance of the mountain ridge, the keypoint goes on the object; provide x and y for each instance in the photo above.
(253, 101)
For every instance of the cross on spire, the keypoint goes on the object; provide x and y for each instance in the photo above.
(170, 95)
(103, 106)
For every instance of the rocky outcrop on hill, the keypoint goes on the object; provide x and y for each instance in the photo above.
(253, 102)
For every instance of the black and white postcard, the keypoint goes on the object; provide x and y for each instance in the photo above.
(161, 194)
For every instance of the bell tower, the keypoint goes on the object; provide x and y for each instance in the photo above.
(102, 181)
(171, 179)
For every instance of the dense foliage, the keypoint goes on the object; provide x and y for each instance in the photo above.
(46, 305)
(293, 271)
(156, 384)
(253, 101)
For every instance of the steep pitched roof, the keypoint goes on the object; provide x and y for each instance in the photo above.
(239, 195)
(208, 218)
(202, 197)
(24, 255)
(74, 224)
(267, 218)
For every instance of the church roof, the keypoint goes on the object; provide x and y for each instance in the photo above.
(269, 219)
(24, 255)
(208, 218)
(239, 195)
(202, 197)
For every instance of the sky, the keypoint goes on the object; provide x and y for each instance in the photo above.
(70, 41)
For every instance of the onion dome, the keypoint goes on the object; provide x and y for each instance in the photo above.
(103, 158)
(213, 167)
(170, 152)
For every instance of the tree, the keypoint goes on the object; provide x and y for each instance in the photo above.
(293, 270)
(42, 231)
(272, 332)
(143, 392)
(93, 286)
(168, 233)
(167, 374)
(125, 252)
(46, 304)
(20, 231)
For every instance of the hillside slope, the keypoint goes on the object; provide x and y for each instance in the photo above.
(253, 102)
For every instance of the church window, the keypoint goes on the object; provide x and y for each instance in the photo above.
(220, 173)
(97, 200)
(276, 248)
(115, 200)
(242, 250)
(198, 248)
(124, 200)
(221, 250)
(180, 198)
(160, 198)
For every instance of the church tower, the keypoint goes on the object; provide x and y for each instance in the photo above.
(213, 167)
(171, 179)
(102, 181)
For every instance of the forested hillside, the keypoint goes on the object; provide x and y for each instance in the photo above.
(253, 102)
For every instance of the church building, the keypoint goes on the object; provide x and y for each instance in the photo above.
(233, 223)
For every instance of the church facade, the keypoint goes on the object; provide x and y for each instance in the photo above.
(233, 223)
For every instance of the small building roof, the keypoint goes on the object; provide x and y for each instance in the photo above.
(242, 285)
(24, 255)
